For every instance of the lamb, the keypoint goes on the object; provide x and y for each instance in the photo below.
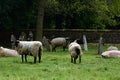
(8, 52)
(110, 54)
(33, 48)
(75, 51)
(59, 41)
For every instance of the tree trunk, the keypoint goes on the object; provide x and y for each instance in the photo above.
(39, 28)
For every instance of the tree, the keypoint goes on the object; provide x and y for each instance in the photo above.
(20, 14)
(82, 14)
(39, 28)
(60, 14)
(114, 8)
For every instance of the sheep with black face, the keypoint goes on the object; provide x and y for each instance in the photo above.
(33, 48)
(75, 51)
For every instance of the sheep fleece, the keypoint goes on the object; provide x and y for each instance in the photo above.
(27, 47)
(8, 52)
(111, 53)
(58, 41)
(72, 48)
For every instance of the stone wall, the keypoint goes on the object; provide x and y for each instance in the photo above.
(109, 36)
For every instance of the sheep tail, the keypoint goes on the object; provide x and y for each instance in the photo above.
(77, 51)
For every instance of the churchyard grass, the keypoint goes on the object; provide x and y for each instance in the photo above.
(57, 66)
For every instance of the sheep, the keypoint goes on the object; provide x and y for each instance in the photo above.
(110, 54)
(33, 48)
(59, 41)
(75, 51)
(8, 52)
(112, 48)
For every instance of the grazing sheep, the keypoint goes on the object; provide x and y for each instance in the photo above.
(75, 51)
(59, 41)
(112, 48)
(33, 48)
(111, 53)
(8, 52)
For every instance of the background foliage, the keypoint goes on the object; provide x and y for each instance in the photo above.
(61, 14)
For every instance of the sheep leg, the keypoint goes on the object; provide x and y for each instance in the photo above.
(75, 59)
(22, 58)
(35, 59)
(54, 48)
(25, 58)
(39, 58)
(79, 58)
(71, 60)
(39, 54)
(64, 48)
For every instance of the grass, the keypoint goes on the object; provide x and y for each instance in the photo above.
(57, 66)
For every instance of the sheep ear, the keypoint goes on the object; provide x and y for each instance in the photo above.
(1, 47)
(79, 41)
(16, 42)
(67, 38)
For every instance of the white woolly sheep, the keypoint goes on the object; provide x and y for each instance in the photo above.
(59, 41)
(75, 51)
(33, 48)
(8, 52)
(111, 53)
(112, 48)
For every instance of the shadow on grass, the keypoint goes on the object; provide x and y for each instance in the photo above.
(20, 62)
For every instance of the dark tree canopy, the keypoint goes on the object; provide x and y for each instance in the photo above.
(17, 14)
(61, 14)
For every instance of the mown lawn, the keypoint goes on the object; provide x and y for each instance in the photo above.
(57, 66)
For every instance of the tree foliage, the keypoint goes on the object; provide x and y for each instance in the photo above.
(16, 14)
(61, 14)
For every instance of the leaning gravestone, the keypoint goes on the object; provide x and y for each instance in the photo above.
(85, 43)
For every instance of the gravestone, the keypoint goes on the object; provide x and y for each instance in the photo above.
(46, 43)
(85, 43)
(100, 46)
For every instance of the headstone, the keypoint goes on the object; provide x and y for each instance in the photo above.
(100, 46)
(46, 43)
(85, 43)
(30, 36)
(13, 39)
(22, 36)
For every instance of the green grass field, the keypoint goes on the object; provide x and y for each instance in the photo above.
(57, 66)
